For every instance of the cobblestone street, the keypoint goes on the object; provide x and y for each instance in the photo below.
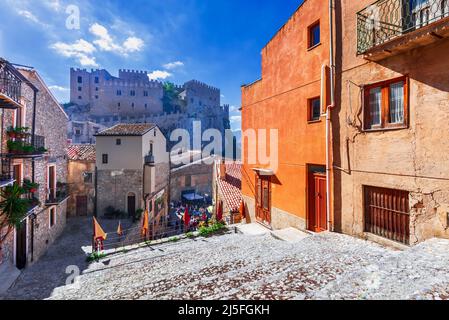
(234, 266)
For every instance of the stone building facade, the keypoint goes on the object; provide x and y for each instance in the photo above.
(81, 180)
(132, 169)
(99, 97)
(390, 148)
(195, 177)
(46, 120)
(83, 132)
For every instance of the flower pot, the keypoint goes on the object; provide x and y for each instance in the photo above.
(33, 190)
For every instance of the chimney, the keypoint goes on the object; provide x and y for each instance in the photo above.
(223, 169)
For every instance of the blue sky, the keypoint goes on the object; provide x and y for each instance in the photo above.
(214, 41)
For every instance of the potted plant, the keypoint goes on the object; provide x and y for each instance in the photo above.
(14, 146)
(11, 132)
(30, 186)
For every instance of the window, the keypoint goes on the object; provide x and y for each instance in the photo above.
(88, 177)
(105, 159)
(119, 92)
(80, 89)
(386, 105)
(132, 105)
(188, 181)
(146, 106)
(96, 88)
(145, 93)
(80, 98)
(80, 79)
(118, 142)
(151, 148)
(314, 35)
(52, 217)
(314, 109)
(132, 93)
(78, 132)
(51, 182)
(96, 97)
(97, 80)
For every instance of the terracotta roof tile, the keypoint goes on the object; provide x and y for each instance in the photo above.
(81, 152)
(231, 187)
(127, 130)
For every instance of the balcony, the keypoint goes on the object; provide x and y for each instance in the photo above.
(58, 195)
(390, 27)
(6, 174)
(22, 144)
(10, 86)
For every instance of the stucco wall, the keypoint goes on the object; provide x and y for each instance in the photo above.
(414, 159)
(291, 75)
(77, 186)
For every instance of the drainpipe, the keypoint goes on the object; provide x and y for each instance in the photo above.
(33, 134)
(328, 116)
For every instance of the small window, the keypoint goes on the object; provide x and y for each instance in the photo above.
(155, 132)
(119, 92)
(132, 93)
(145, 93)
(105, 159)
(146, 106)
(80, 89)
(97, 80)
(88, 177)
(314, 35)
(78, 132)
(386, 104)
(188, 182)
(96, 88)
(118, 142)
(96, 97)
(314, 109)
(132, 105)
(80, 79)
(80, 98)
(52, 217)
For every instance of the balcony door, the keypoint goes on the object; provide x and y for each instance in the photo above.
(51, 182)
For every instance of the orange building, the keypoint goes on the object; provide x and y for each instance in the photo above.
(292, 98)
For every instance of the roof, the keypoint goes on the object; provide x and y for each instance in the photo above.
(127, 130)
(81, 152)
(231, 187)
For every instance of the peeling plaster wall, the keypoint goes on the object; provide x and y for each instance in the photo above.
(415, 159)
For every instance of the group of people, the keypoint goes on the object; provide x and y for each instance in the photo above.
(191, 216)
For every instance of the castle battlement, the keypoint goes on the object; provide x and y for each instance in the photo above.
(200, 85)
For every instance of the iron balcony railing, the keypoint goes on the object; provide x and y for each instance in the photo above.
(57, 195)
(10, 84)
(385, 20)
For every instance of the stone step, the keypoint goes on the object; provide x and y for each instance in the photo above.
(252, 229)
(292, 235)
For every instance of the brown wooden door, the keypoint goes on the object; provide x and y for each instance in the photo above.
(21, 246)
(317, 217)
(51, 182)
(17, 173)
(81, 206)
(263, 200)
(131, 205)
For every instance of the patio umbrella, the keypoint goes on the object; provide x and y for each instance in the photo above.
(220, 212)
(145, 223)
(98, 231)
(187, 217)
(119, 229)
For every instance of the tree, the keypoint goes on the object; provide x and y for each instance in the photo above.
(170, 97)
(13, 209)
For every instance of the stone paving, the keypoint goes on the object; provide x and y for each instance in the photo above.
(235, 266)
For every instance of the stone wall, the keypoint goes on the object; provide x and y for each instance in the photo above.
(78, 187)
(114, 187)
(200, 176)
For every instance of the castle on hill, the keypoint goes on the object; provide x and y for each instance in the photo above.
(98, 97)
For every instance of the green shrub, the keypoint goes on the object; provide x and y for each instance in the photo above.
(95, 256)
(215, 228)
(190, 235)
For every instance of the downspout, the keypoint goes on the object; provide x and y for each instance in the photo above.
(330, 225)
(33, 133)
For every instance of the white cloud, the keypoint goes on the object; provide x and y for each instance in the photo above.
(31, 17)
(159, 75)
(107, 43)
(133, 44)
(234, 108)
(81, 49)
(55, 5)
(173, 65)
(58, 88)
(235, 119)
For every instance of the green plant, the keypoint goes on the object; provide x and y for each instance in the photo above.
(13, 209)
(138, 215)
(30, 186)
(190, 235)
(215, 228)
(175, 239)
(95, 257)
